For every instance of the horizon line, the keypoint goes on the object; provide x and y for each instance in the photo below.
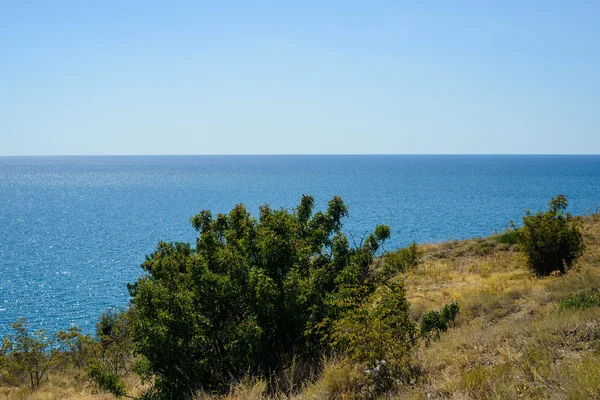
(294, 154)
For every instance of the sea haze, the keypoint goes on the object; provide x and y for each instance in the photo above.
(74, 230)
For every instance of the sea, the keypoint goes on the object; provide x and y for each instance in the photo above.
(74, 230)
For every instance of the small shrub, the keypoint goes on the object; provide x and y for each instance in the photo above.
(27, 357)
(403, 259)
(511, 236)
(553, 240)
(112, 353)
(433, 323)
(482, 247)
(450, 312)
(115, 346)
(107, 380)
(379, 333)
(581, 300)
(410, 257)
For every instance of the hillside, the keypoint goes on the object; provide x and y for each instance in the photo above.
(517, 336)
(513, 339)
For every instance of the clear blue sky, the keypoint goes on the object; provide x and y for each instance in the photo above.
(257, 77)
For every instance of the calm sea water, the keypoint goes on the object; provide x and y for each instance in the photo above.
(73, 230)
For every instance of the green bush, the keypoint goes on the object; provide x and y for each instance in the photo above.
(114, 343)
(379, 332)
(433, 323)
(551, 240)
(450, 312)
(511, 236)
(110, 357)
(581, 300)
(251, 293)
(107, 380)
(403, 259)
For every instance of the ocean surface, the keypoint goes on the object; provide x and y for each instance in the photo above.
(74, 230)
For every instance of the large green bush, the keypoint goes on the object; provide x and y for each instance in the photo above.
(551, 240)
(250, 294)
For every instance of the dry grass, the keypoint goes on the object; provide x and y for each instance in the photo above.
(512, 338)
(66, 386)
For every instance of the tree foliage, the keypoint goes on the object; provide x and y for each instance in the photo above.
(28, 357)
(551, 240)
(251, 292)
(110, 357)
(114, 347)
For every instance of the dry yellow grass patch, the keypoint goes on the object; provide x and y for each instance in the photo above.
(64, 386)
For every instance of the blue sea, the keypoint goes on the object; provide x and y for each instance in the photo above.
(74, 230)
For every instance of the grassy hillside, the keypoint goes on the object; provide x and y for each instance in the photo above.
(516, 336)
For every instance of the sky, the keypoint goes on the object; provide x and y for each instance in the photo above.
(299, 77)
